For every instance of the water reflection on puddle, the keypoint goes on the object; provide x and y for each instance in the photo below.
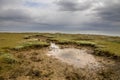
(76, 57)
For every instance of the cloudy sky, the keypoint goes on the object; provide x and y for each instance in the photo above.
(73, 16)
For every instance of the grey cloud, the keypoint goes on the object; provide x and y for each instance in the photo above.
(11, 12)
(73, 5)
(73, 15)
(10, 3)
(110, 12)
(14, 15)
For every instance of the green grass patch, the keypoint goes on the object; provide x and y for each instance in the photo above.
(61, 40)
(7, 58)
(104, 43)
(7, 62)
(86, 43)
(32, 44)
(11, 39)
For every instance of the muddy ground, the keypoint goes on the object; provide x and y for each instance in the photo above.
(34, 64)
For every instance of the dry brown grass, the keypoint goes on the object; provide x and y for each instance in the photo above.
(34, 64)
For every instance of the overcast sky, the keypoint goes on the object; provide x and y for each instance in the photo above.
(73, 16)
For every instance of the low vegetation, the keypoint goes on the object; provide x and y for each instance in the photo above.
(22, 56)
(31, 44)
(7, 58)
(7, 63)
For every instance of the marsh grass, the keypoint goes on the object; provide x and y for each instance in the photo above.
(104, 43)
(7, 58)
(7, 62)
(107, 44)
(31, 44)
(86, 43)
(10, 40)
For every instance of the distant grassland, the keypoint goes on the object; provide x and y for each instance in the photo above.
(104, 43)
(10, 39)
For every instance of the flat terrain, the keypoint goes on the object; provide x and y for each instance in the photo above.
(23, 56)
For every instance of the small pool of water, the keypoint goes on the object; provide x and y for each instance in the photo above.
(76, 57)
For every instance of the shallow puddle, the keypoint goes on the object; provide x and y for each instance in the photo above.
(76, 57)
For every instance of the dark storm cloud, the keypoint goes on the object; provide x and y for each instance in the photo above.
(72, 5)
(110, 12)
(14, 15)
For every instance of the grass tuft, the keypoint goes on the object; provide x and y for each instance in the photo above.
(7, 58)
(86, 43)
(32, 44)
